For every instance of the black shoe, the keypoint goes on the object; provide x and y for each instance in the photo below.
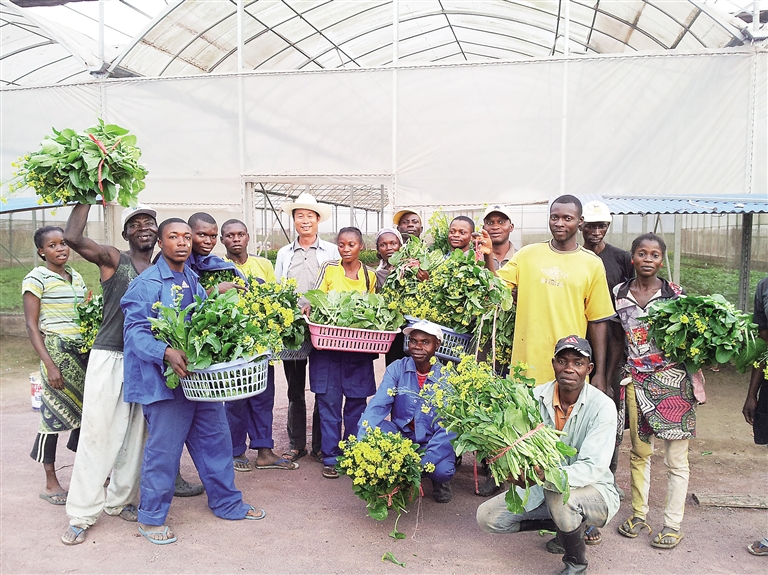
(487, 486)
(575, 557)
(186, 489)
(441, 492)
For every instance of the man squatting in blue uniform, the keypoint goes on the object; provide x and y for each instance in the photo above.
(172, 420)
(398, 395)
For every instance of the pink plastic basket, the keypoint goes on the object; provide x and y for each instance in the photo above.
(350, 338)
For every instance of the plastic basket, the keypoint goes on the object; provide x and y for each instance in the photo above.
(453, 344)
(350, 338)
(228, 381)
(296, 354)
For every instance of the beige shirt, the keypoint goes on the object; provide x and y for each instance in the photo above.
(507, 257)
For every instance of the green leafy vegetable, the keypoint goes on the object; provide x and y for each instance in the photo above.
(89, 315)
(353, 309)
(391, 558)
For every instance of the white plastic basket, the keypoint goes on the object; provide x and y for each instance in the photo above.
(350, 338)
(228, 381)
(296, 354)
(453, 344)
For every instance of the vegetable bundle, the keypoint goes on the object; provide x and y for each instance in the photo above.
(699, 330)
(274, 308)
(500, 419)
(415, 255)
(354, 309)
(76, 167)
(385, 469)
(89, 315)
(217, 330)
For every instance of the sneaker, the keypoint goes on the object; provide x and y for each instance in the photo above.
(441, 492)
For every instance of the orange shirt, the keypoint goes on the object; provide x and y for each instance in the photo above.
(560, 416)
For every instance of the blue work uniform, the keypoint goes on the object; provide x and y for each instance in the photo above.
(172, 420)
(398, 397)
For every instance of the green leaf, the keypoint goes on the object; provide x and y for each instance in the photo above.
(378, 510)
(514, 501)
(391, 558)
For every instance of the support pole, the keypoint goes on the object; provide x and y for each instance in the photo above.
(678, 248)
(351, 205)
(746, 257)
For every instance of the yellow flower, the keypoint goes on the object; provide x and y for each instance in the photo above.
(684, 319)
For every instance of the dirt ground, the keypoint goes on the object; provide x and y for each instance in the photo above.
(315, 525)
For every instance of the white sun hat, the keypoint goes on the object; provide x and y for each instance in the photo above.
(596, 212)
(129, 213)
(426, 327)
(307, 201)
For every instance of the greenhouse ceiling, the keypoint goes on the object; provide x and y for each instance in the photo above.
(50, 41)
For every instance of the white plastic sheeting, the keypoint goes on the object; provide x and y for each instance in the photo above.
(650, 125)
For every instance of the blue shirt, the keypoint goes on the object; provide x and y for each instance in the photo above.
(211, 263)
(143, 366)
(405, 406)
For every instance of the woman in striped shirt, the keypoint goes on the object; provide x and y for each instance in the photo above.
(51, 294)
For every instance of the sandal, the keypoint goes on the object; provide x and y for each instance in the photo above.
(631, 527)
(129, 513)
(329, 472)
(592, 536)
(79, 535)
(667, 532)
(241, 463)
(317, 456)
(757, 548)
(293, 454)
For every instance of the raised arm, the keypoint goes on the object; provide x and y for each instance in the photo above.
(106, 257)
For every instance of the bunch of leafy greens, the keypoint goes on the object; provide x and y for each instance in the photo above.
(208, 331)
(353, 309)
(415, 255)
(89, 315)
(76, 167)
(211, 279)
(699, 330)
(274, 308)
(497, 335)
(438, 228)
(500, 419)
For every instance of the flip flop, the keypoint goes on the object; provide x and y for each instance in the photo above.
(592, 535)
(329, 472)
(632, 527)
(168, 541)
(293, 454)
(241, 463)
(676, 537)
(262, 514)
(129, 513)
(55, 498)
(79, 535)
(283, 463)
(757, 548)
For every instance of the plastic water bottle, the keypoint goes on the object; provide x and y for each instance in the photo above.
(36, 388)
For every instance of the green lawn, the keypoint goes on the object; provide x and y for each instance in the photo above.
(11, 278)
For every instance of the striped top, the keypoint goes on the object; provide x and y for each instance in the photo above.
(331, 277)
(58, 300)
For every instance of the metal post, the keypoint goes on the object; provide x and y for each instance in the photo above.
(10, 234)
(351, 205)
(239, 36)
(678, 248)
(34, 229)
(101, 36)
(381, 206)
(746, 257)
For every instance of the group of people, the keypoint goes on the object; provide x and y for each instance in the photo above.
(580, 309)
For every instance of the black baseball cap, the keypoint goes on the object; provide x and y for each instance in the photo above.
(574, 342)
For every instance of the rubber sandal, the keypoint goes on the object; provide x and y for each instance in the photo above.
(293, 454)
(54, 498)
(129, 513)
(241, 463)
(79, 535)
(262, 514)
(594, 533)
(329, 472)
(757, 548)
(631, 527)
(284, 464)
(317, 456)
(676, 537)
(168, 541)
(184, 488)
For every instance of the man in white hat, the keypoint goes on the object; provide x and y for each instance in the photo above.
(301, 260)
(397, 397)
(112, 431)
(408, 224)
(497, 221)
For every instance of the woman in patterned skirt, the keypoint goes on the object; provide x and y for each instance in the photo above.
(51, 294)
(660, 400)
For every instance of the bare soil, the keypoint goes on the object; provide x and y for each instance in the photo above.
(315, 525)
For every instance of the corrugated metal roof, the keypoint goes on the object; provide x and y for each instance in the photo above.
(685, 205)
(13, 205)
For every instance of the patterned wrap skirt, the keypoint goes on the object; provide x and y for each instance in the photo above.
(62, 408)
(666, 406)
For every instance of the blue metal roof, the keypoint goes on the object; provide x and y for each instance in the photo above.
(749, 205)
(13, 205)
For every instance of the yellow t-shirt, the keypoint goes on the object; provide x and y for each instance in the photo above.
(257, 267)
(331, 278)
(558, 293)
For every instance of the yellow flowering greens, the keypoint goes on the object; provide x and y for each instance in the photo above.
(385, 469)
(89, 314)
(500, 420)
(699, 330)
(438, 229)
(76, 167)
(274, 308)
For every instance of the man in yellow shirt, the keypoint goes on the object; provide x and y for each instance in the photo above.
(235, 237)
(561, 290)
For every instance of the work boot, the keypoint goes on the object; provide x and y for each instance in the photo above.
(488, 486)
(537, 525)
(186, 489)
(441, 492)
(575, 557)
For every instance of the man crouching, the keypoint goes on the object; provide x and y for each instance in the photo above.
(173, 420)
(398, 396)
(588, 417)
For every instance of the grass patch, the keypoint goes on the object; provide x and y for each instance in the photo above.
(699, 277)
(11, 278)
